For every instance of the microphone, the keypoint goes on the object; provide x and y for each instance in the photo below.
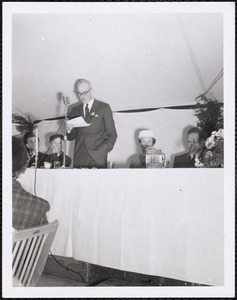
(66, 100)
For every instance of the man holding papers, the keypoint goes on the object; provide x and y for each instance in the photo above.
(92, 126)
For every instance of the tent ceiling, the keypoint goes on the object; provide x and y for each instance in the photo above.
(133, 60)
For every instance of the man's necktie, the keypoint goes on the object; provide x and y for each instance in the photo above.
(87, 113)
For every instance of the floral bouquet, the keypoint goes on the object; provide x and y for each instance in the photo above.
(212, 152)
(23, 124)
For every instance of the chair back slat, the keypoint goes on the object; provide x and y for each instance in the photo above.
(31, 261)
(17, 253)
(35, 258)
(30, 251)
(21, 256)
(26, 263)
(15, 249)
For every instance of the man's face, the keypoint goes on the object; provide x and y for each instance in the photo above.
(193, 143)
(84, 92)
(31, 144)
(56, 145)
(146, 142)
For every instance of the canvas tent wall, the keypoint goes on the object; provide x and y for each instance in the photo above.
(134, 61)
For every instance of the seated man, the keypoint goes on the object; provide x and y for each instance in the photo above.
(27, 210)
(187, 160)
(146, 139)
(56, 141)
(30, 142)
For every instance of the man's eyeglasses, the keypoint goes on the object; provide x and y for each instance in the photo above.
(83, 93)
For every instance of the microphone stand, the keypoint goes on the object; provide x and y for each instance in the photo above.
(36, 142)
(66, 102)
(36, 145)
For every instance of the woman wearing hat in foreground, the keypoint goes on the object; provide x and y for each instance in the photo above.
(146, 139)
(56, 142)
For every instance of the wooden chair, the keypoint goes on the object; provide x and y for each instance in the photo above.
(30, 249)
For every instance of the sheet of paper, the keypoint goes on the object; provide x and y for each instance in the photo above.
(78, 122)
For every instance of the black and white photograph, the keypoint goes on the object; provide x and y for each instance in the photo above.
(93, 95)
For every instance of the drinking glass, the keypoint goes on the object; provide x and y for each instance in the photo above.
(56, 164)
(155, 158)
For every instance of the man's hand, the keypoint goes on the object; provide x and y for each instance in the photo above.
(69, 127)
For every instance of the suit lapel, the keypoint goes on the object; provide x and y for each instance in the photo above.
(94, 107)
(93, 111)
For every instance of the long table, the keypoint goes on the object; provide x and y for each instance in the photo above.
(162, 222)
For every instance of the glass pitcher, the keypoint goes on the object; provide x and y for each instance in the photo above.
(155, 158)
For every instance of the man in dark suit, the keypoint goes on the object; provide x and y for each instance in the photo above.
(27, 210)
(94, 142)
(187, 160)
(30, 142)
(56, 142)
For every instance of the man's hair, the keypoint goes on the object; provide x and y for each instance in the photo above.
(29, 135)
(20, 156)
(78, 81)
(195, 130)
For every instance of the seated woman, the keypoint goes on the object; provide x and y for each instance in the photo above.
(56, 141)
(146, 139)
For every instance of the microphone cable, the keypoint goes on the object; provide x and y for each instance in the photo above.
(68, 269)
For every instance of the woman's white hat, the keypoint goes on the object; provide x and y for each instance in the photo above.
(146, 133)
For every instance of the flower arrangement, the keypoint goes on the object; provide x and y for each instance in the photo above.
(212, 154)
(210, 115)
(23, 124)
(210, 122)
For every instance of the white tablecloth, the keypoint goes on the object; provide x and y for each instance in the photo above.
(164, 222)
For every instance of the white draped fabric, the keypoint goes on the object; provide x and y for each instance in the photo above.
(164, 222)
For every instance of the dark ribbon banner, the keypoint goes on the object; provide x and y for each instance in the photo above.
(141, 110)
(150, 109)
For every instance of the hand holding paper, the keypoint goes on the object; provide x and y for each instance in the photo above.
(69, 127)
(77, 122)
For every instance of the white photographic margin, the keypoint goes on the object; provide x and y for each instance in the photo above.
(228, 11)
